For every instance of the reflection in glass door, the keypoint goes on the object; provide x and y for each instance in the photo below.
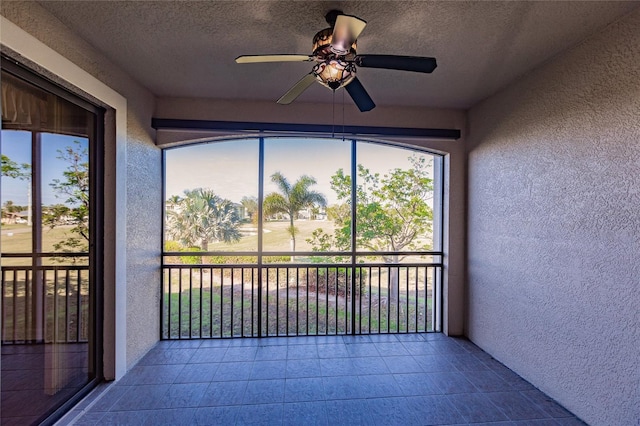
(48, 241)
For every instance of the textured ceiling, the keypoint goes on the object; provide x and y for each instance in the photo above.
(187, 49)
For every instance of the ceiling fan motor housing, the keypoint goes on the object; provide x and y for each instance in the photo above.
(332, 70)
(322, 45)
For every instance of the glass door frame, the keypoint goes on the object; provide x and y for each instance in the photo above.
(96, 226)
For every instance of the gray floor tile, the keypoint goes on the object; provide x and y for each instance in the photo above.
(383, 338)
(305, 413)
(332, 350)
(402, 364)
(369, 365)
(171, 417)
(391, 412)
(297, 368)
(362, 350)
(167, 356)
(452, 383)
(476, 407)
(336, 366)
(189, 344)
(467, 362)
(110, 396)
(208, 355)
(88, 419)
(414, 384)
(223, 393)
(547, 404)
(516, 406)
(243, 342)
(184, 395)
(434, 410)
(151, 374)
(419, 348)
(535, 422)
(434, 364)
(240, 354)
(197, 373)
(304, 389)
(516, 382)
(348, 412)
(263, 414)
(271, 353)
(269, 370)
(303, 340)
(373, 379)
(342, 387)
(302, 352)
(124, 418)
(264, 392)
(215, 343)
(487, 381)
(356, 339)
(379, 386)
(570, 421)
(142, 397)
(391, 348)
(225, 415)
(448, 346)
(233, 371)
(410, 337)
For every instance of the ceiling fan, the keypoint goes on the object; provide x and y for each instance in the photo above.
(334, 52)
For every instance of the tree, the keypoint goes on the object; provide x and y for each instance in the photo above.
(201, 217)
(14, 170)
(74, 187)
(291, 199)
(392, 213)
(251, 206)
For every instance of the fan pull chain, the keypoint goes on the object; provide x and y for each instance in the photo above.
(333, 115)
(343, 89)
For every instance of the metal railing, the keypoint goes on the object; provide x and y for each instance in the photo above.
(207, 300)
(45, 303)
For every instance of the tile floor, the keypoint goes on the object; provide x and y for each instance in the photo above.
(412, 379)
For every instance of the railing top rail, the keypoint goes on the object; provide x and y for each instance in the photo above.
(300, 265)
(46, 267)
(45, 254)
(302, 253)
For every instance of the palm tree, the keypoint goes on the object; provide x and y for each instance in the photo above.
(202, 216)
(251, 206)
(291, 199)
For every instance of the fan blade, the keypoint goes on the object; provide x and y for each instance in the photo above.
(252, 59)
(345, 33)
(395, 62)
(360, 96)
(297, 89)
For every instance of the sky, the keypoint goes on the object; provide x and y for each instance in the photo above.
(17, 146)
(230, 168)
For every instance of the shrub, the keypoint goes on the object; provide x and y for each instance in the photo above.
(334, 280)
(184, 260)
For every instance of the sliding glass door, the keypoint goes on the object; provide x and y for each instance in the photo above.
(50, 246)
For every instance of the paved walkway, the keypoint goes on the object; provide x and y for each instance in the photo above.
(412, 379)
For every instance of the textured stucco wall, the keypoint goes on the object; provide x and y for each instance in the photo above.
(143, 172)
(554, 226)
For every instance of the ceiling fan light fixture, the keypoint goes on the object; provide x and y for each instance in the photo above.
(334, 73)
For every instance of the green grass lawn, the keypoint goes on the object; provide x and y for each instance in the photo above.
(17, 239)
(206, 313)
(276, 237)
